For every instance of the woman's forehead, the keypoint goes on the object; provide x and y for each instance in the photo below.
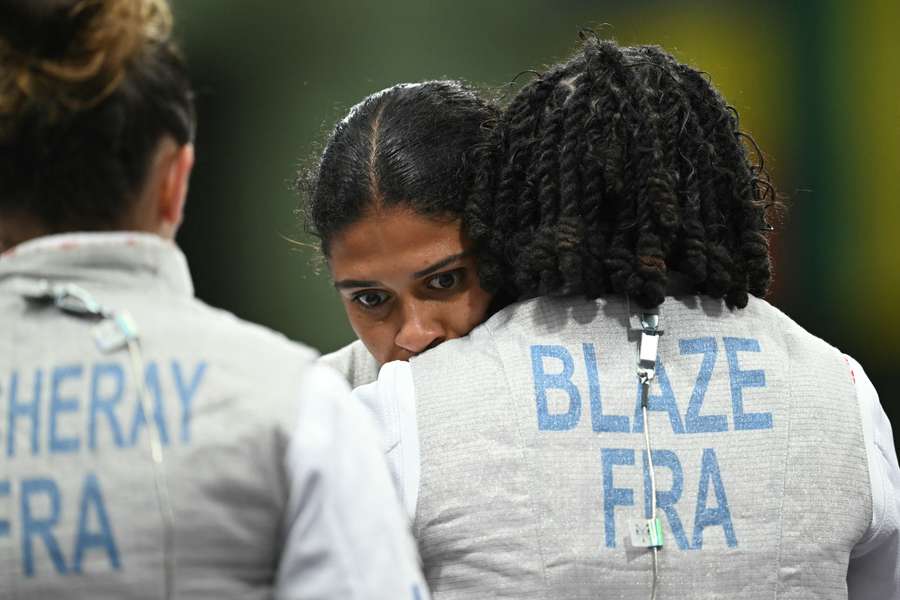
(393, 242)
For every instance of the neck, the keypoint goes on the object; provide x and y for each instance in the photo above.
(16, 229)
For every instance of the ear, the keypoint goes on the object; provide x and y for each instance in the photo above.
(174, 186)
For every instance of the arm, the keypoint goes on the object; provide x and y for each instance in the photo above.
(354, 362)
(346, 536)
(874, 570)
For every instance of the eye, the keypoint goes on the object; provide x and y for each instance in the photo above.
(370, 299)
(446, 281)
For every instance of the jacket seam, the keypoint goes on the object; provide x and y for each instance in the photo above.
(787, 461)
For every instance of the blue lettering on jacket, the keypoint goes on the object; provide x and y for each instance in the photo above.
(101, 538)
(40, 526)
(710, 506)
(82, 412)
(87, 407)
(40, 512)
(708, 517)
(614, 496)
(544, 381)
(662, 397)
(186, 392)
(695, 422)
(151, 383)
(63, 404)
(599, 421)
(5, 489)
(23, 410)
(705, 516)
(745, 379)
(105, 403)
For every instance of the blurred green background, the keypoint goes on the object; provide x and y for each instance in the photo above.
(815, 83)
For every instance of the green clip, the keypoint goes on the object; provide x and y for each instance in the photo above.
(656, 533)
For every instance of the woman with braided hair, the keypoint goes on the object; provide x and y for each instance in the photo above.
(640, 423)
(154, 447)
(635, 168)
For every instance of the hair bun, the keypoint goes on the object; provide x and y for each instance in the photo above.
(67, 55)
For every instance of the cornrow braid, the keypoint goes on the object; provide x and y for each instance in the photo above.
(613, 170)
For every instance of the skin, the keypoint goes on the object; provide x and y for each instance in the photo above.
(407, 282)
(158, 208)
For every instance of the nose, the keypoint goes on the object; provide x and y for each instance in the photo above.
(421, 329)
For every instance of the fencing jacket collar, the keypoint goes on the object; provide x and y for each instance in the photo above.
(120, 259)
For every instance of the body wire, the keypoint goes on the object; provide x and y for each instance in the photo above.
(160, 481)
(73, 300)
(646, 373)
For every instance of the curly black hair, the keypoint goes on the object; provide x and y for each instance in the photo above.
(407, 145)
(611, 170)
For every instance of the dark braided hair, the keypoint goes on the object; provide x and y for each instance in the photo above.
(410, 145)
(613, 169)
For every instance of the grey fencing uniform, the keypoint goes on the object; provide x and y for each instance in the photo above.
(269, 467)
(532, 456)
(354, 362)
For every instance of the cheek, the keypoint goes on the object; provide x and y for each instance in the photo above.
(377, 336)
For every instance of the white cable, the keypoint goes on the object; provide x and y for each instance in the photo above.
(646, 391)
(648, 351)
(160, 481)
(74, 300)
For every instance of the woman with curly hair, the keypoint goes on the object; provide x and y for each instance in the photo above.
(640, 422)
(153, 447)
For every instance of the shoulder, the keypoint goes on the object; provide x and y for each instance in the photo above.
(325, 408)
(354, 362)
(793, 332)
(251, 360)
(222, 327)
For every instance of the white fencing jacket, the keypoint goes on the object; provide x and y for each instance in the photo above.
(873, 571)
(272, 473)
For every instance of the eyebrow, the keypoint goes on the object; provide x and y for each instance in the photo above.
(355, 283)
(439, 265)
(344, 284)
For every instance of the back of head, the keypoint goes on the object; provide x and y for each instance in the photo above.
(406, 145)
(88, 88)
(611, 171)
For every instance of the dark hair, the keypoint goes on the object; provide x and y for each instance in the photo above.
(407, 146)
(612, 169)
(87, 90)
